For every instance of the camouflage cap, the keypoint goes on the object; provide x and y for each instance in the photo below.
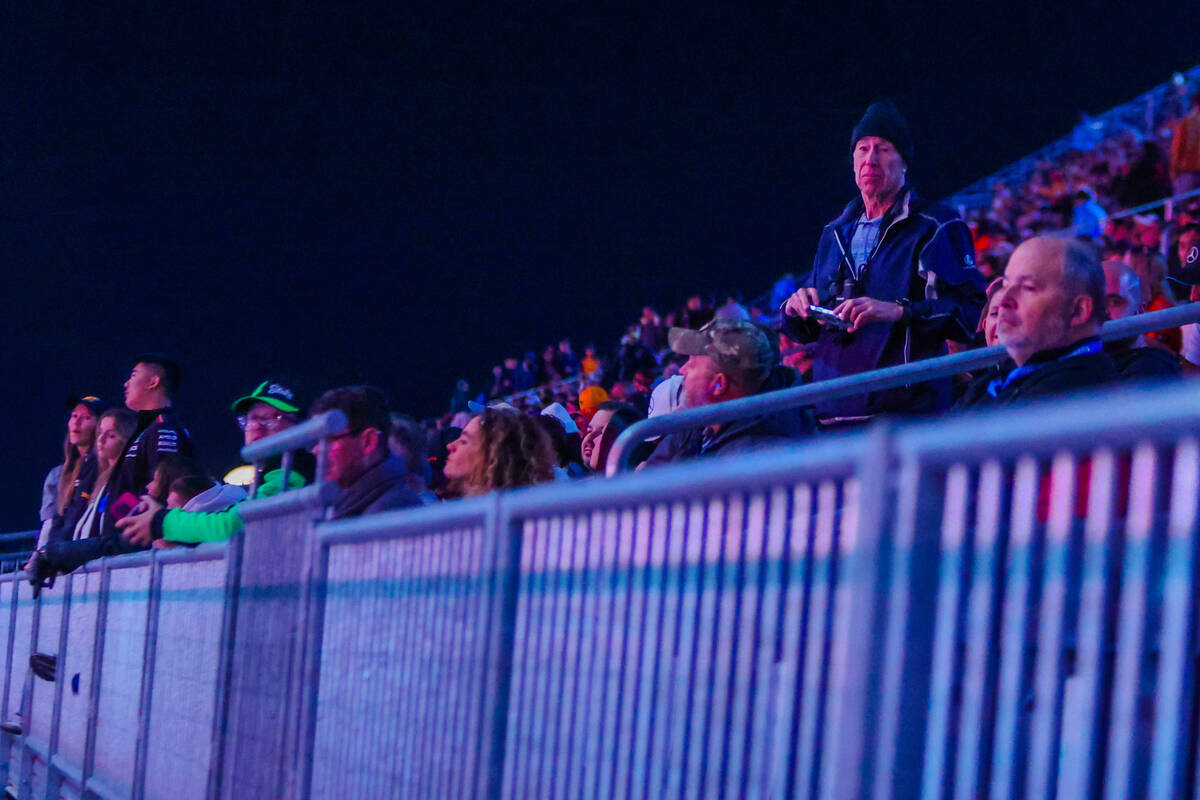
(731, 344)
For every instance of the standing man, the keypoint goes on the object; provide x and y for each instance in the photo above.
(900, 274)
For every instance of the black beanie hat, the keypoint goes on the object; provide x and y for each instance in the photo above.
(884, 120)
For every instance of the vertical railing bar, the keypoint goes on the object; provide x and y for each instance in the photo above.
(663, 691)
(469, 646)
(730, 594)
(628, 524)
(552, 676)
(146, 697)
(432, 548)
(980, 611)
(570, 633)
(220, 727)
(654, 587)
(1170, 725)
(493, 605)
(756, 568)
(573, 633)
(510, 535)
(1047, 697)
(1131, 623)
(538, 652)
(524, 654)
(1081, 735)
(89, 747)
(312, 638)
(702, 656)
(612, 571)
(410, 563)
(763, 701)
(27, 755)
(845, 763)
(583, 563)
(56, 718)
(6, 738)
(810, 673)
(684, 655)
(454, 558)
(945, 637)
(1012, 644)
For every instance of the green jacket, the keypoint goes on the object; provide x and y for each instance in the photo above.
(195, 527)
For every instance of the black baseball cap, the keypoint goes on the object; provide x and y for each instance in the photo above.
(90, 402)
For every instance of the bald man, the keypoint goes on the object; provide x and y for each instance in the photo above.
(1051, 307)
(1134, 358)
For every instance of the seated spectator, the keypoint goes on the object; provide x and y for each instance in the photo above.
(498, 449)
(651, 331)
(1051, 308)
(270, 408)
(200, 493)
(1088, 217)
(1134, 361)
(610, 421)
(358, 461)
(990, 313)
(564, 435)
(729, 360)
(1151, 271)
(407, 442)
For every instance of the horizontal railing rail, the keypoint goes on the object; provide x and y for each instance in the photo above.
(852, 385)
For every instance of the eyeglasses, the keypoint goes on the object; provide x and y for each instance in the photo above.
(273, 423)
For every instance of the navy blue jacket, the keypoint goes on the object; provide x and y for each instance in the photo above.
(925, 258)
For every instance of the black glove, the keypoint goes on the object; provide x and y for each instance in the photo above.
(41, 573)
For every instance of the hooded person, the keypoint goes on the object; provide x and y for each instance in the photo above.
(728, 360)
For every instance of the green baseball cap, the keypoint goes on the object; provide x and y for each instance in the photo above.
(274, 393)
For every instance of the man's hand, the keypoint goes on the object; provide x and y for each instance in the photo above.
(136, 528)
(859, 311)
(797, 305)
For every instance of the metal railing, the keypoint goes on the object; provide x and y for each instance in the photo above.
(853, 385)
(999, 605)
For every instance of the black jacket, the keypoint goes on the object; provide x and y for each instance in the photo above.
(1141, 363)
(381, 488)
(1056, 372)
(926, 258)
(742, 435)
(159, 433)
(64, 524)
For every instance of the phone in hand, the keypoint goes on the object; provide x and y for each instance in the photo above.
(124, 504)
(827, 316)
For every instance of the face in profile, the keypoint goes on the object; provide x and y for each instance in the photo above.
(109, 442)
(590, 447)
(465, 452)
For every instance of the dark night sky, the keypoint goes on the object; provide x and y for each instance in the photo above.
(405, 194)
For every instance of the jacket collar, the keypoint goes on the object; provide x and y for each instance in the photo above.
(899, 210)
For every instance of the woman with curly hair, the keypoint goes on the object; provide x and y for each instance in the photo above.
(499, 450)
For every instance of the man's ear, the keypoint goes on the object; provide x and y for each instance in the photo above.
(154, 381)
(370, 439)
(1081, 310)
(719, 385)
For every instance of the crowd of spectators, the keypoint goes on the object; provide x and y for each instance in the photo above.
(1037, 270)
